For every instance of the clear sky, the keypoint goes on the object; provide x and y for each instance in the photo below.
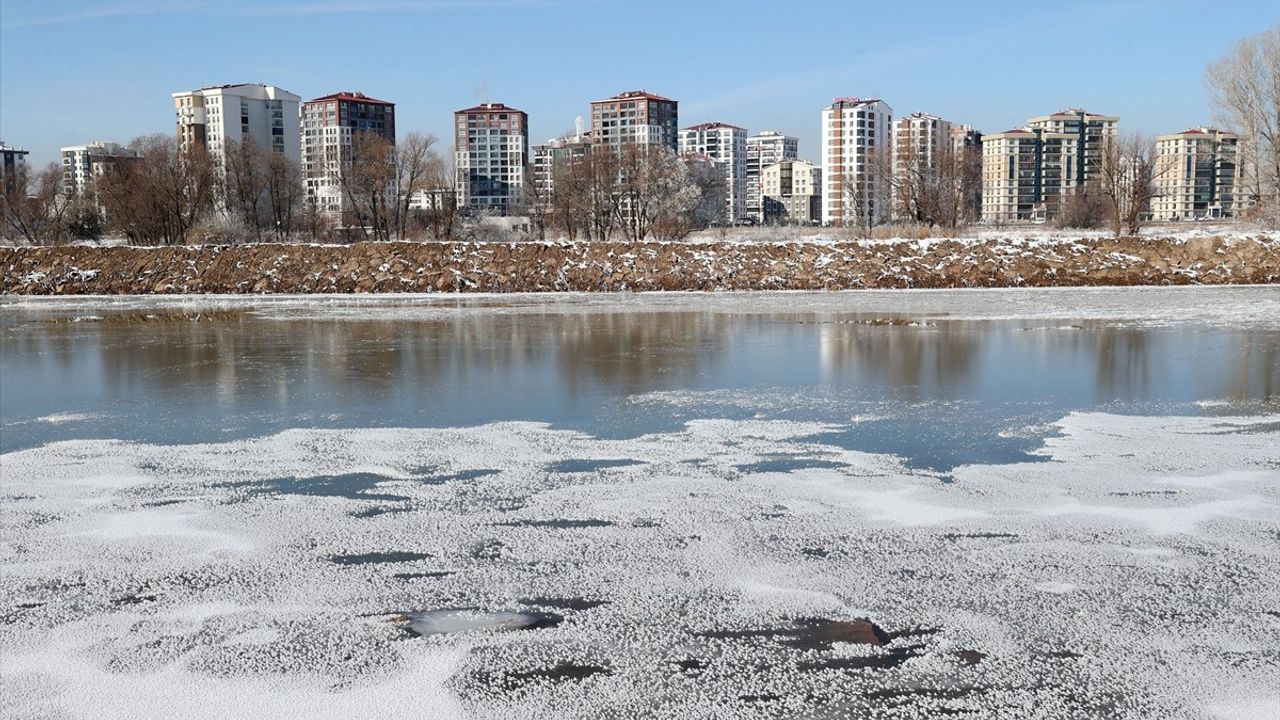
(78, 70)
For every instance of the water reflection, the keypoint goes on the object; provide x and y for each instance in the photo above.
(181, 377)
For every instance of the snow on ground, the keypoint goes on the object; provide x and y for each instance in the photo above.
(1234, 307)
(1135, 573)
(1035, 234)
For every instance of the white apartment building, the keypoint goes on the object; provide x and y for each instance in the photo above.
(726, 145)
(1026, 173)
(330, 124)
(920, 142)
(1092, 133)
(84, 164)
(791, 192)
(1196, 175)
(266, 115)
(855, 148)
(491, 154)
(763, 150)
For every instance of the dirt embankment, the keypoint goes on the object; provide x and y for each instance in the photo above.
(581, 266)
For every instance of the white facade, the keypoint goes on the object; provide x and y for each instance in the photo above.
(1026, 174)
(763, 150)
(855, 147)
(791, 192)
(491, 153)
(263, 114)
(329, 132)
(1196, 175)
(1092, 132)
(726, 145)
(83, 164)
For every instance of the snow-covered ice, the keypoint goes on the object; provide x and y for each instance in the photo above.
(402, 572)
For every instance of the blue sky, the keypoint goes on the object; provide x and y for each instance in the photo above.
(78, 70)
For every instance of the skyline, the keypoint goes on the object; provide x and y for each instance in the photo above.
(124, 60)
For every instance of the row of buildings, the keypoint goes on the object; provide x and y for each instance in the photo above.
(1025, 173)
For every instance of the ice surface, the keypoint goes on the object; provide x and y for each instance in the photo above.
(1135, 573)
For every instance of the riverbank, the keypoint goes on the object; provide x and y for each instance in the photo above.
(623, 266)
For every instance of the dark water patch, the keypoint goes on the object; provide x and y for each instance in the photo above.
(429, 475)
(956, 537)
(585, 465)
(1062, 654)
(918, 631)
(759, 698)
(815, 552)
(134, 599)
(790, 464)
(378, 558)
(881, 661)
(377, 510)
(353, 486)
(163, 503)
(970, 657)
(422, 575)
(566, 671)
(813, 633)
(558, 523)
(563, 603)
(692, 665)
(1272, 613)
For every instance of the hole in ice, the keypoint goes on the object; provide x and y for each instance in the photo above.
(563, 603)
(560, 672)
(692, 665)
(428, 474)
(375, 558)
(455, 620)
(789, 463)
(420, 575)
(353, 486)
(955, 537)
(583, 465)
(814, 633)
(558, 523)
(761, 698)
(377, 510)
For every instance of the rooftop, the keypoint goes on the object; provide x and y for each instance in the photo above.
(714, 126)
(353, 97)
(634, 94)
(488, 107)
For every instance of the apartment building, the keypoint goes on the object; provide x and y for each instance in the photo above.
(920, 143)
(1196, 175)
(1026, 174)
(1092, 133)
(765, 149)
(635, 116)
(791, 193)
(491, 142)
(12, 159)
(212, 117)
(965, 137)
(553, 154)
(726, 146)
(855, 146)
(332, 130)
(82, 165)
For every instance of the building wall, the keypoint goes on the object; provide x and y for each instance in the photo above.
(791, 193)
(213, 117)
(1091, 131)
(82, 165)
(1197, 175)
(329, 126)
(726, 145)
(763, 150)
(920, 141)
(635, 116)
(491, 154)
(1026, 174)
(855, 136)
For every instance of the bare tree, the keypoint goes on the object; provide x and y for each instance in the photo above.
(368, 186)
(35, 208)
(1127, 181)
(1244, 86)
(284, 193)
(535, 202)
(160, 197)
(244, 185)
(413, 158)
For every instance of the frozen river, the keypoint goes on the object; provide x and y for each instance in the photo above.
(1042, 503)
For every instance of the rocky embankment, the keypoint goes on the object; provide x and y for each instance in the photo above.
(587, 266)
